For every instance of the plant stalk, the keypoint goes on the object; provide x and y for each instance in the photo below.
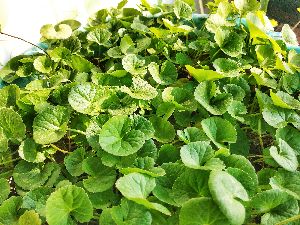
(59, 149)
(291, 219)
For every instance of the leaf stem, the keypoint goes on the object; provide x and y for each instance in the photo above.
(59, 149)
(10, 161)
(215, 54)
(77, 131)
(259, 134)
(296, 25)
(12, 36)
(291, 219)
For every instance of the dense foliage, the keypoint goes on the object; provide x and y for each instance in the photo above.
(153, 117)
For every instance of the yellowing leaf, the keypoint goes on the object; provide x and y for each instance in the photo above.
(203, 75)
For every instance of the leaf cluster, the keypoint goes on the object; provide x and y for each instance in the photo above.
(153, 116)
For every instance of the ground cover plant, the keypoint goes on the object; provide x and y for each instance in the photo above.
(152, 116)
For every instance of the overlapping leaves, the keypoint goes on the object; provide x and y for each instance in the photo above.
(153, 116)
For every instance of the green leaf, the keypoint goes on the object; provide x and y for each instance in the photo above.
(284, 100)
(67, 203)
(101, 177)
(286, 157)
(177, 28)
(219, 130)
(62, 31)
(287, 181)
(201, 211)
(30, 175)
(192, 134)
(100, 36)
(137, 187)
(9, 210)
(36, 199)
(164, 130)
(73, 162)
(3, 141)
(60, 54)
(87, 98)
(43, 64)
(283, 212)
(216, 104)
(140, 89)
(267, 200)
(288, 35)
(117, 137)
(12, 125)
(50, 125)
(190, 184)
(127, 45)
(168, 153)
(130, 213)
(183, 59)
(226, 191)
(182, 10)
(31, 152)
(279, 117)
(246, 5)
(30, 218)
(4, 189)
(291, 136)
(81, 64)
(134, 64)
(195, 154)
(231, 43)
(203, 75)
(166, 75)
(228, 67)
(242, 169)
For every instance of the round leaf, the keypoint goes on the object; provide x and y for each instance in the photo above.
(12, 124)
(195, 154)
(50, 125)
(118, 138)
(201, 211)
(62, 31)
(135, 185)
(30, 218)
(66, 203)
(164, 130)
(87, 98)
(286, 157)
(219, 130)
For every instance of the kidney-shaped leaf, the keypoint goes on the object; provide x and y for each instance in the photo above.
(291, 136)
(225, 190)
(62, 31)
(30, 218)
(12, 124)
(9, 210)
(87, 98)
(288, 182)
(50, 125)
(118, 138)
(135, 185)
(285, 157)
(66, 202)
(201, 211)
(265, 201)
(219, 130)
(195, 154)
